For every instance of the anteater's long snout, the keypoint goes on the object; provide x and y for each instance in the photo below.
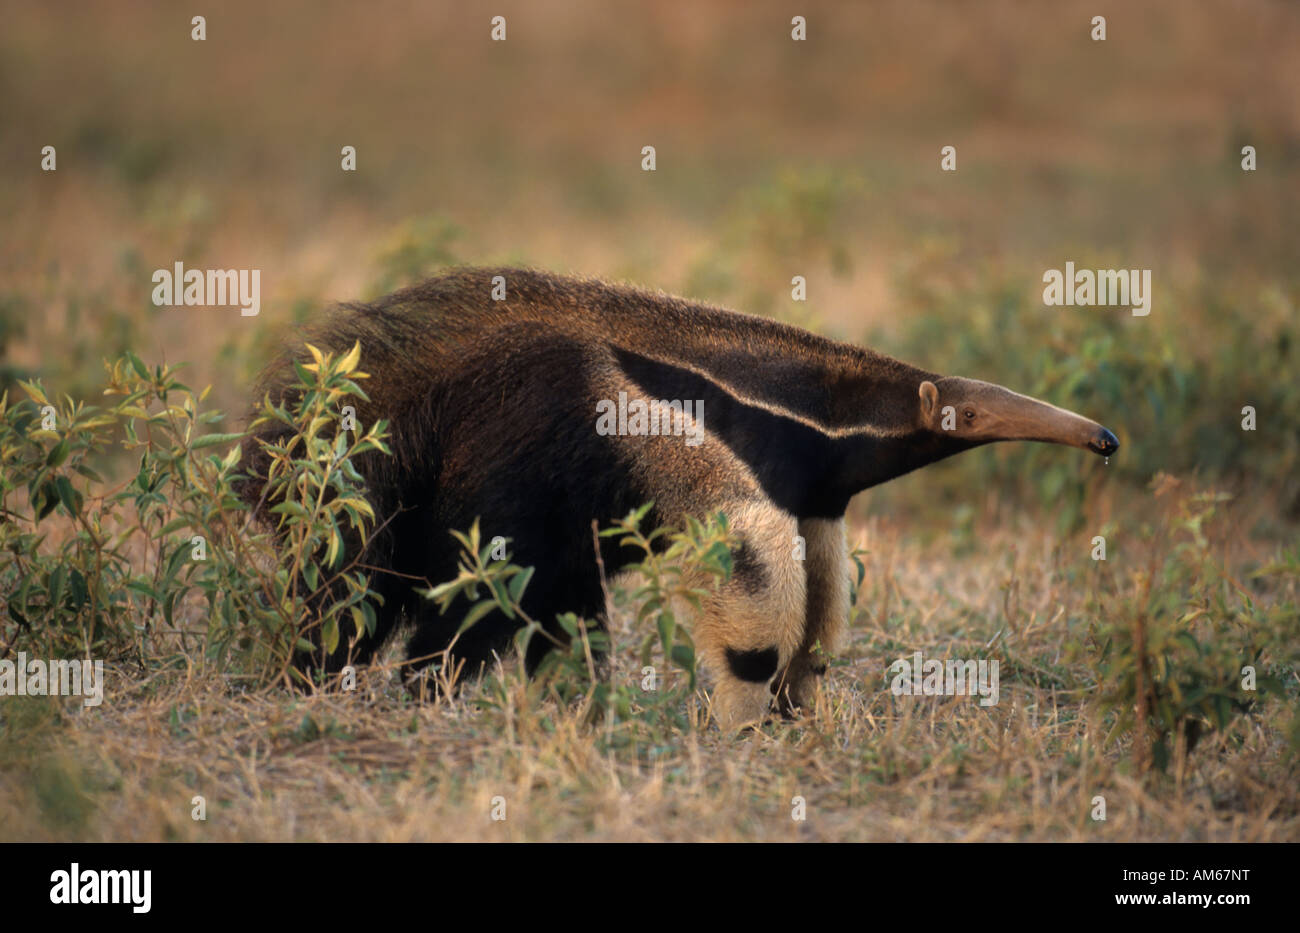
(1046, 422)
(1013, 416)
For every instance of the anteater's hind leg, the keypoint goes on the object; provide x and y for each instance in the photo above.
(752, 626)
(826, 568)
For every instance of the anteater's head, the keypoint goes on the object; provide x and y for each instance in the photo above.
(972, 412)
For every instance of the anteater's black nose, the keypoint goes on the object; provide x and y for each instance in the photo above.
(1104, 443)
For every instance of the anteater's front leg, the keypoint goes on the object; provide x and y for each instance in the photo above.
(752, 626)
(827, 571)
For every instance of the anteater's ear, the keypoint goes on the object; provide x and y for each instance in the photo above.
(929, 401)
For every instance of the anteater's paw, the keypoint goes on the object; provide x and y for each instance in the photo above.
(786, 709)
(791, 703)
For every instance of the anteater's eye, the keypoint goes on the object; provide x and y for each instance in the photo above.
(969, 414)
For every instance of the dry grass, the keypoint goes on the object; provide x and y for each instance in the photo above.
(372, 765)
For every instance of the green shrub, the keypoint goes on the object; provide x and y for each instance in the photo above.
(1181, 640)
(166, 566)
(318, 499)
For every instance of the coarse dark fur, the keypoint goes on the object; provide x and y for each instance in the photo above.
(491, 406)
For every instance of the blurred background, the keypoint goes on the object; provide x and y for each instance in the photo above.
(775, 158)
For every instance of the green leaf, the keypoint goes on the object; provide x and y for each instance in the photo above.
(58, 453)
(80, 594)
(443, 590)
(212, 440)
(518, 582)
(502, 599)
(330, 635)
(48, 497)
(178, 557)
(290, 508)
(70, 498)
(137, 365)
(479, 611)
(684, 657)
(88, 472)
(143, 587)
(667, 627)
(176, 524)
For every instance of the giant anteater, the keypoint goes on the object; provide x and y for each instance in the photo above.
(500, 410)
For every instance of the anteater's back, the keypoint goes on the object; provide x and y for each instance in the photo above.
(445, 330)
